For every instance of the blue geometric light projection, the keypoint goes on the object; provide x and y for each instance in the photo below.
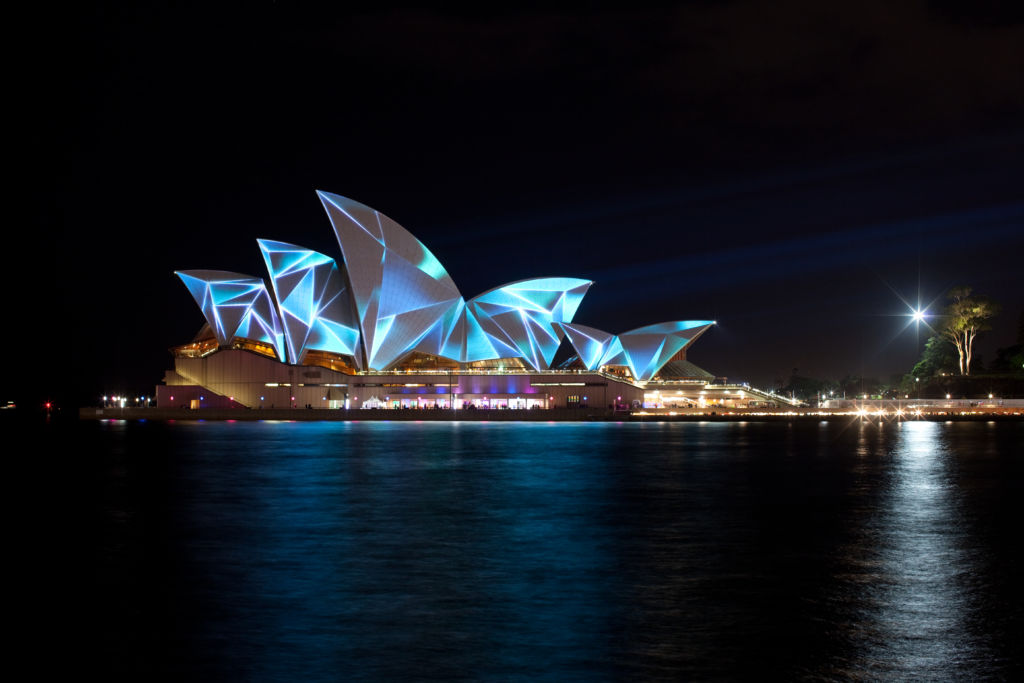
(404, 298)
(590, 343)
(467, 341)
(235, 305)
(313, 301)
(645, 350)
(520, 319)
(393, 297)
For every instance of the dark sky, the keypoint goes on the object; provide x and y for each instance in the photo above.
(791, 169)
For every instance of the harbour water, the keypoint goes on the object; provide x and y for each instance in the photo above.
(565, 551)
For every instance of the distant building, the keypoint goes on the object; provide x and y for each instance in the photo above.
(387, 327)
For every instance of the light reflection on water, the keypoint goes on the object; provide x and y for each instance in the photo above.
(914, 566)
(320, 551)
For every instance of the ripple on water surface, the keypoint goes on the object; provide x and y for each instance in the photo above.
(319, 551)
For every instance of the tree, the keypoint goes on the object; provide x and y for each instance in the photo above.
(1010, 360)
(963, 319)
(852, 386)
(806, 388)
(939, 356)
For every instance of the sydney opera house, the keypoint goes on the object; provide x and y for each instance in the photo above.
(386, 327)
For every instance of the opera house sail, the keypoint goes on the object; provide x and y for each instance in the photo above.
(389, 306)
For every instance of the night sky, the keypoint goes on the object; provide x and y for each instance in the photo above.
(794, 169)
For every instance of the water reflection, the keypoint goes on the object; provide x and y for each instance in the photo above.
(911, 565)
(319, 551)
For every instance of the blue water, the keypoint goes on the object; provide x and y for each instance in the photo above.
(503, 551)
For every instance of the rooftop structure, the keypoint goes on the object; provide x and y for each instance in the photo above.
(390, 305)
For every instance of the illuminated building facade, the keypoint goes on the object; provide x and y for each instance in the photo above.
(387, 327)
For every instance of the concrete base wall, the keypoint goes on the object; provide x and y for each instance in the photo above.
(233, 378)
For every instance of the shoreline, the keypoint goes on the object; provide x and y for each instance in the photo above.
(550, 415)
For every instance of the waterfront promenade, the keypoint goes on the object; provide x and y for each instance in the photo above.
(868, 410)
